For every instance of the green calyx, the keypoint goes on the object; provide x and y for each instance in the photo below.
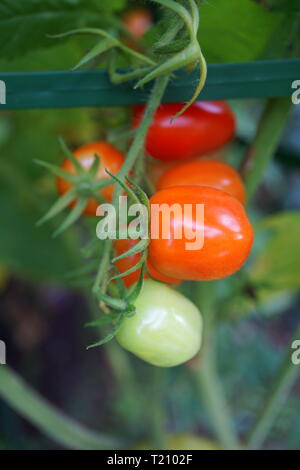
(84, 185)
(183, 51)
(108, 42)
(123, 300)
(121, 307)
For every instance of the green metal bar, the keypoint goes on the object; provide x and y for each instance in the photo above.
(260, 79)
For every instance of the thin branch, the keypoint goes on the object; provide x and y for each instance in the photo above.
(277, 395)
(52, 422)
(206, 375)
(265, 143)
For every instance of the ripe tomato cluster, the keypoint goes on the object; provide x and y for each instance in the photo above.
(228, 235)
(188, 177)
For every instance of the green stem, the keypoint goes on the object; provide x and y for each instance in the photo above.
(207, 376)
(265, 143)
(181, 11)
(104, 264)
(133, 154)
(47, 418)
(277, 395)
(117, 358)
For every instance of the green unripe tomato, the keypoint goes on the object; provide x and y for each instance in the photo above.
(166, 329)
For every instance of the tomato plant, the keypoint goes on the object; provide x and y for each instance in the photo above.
(110, 158)
(228, 235)
(204, 127)
(124, 264)
(51, 288)
(213, 173)
(166, 329)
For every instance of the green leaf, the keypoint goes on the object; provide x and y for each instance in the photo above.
(97, 50)
(58, 206)
(111, 335)
(24, 24)
(136, 289)
(278, 265)
(73, 216)
(57, 171)
(235, 30)
(70, 155)
(138, 248)
(129, 271)
(123, 185)
(104, 320)
(143, 198)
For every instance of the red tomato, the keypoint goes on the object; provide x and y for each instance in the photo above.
(121, 246)
(137, 21)
(204, 127)
(228, 235)
(205, 172)
(110, 158)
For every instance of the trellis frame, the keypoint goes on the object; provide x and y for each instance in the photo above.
(65, 89)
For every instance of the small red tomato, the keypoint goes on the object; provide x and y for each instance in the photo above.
(205, 172)
(227, 234)
(110, 158)
(137, 21)
(204, 127)
(121, 246)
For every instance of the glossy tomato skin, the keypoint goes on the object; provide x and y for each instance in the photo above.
(137, 21)
(203, 128)
(120, 247)
(166, 329)
(205, 172)
(110, 158)
(228, 235)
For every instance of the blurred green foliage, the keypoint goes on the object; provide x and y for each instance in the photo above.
(278, 264)
(26, 24)
(236, 31)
